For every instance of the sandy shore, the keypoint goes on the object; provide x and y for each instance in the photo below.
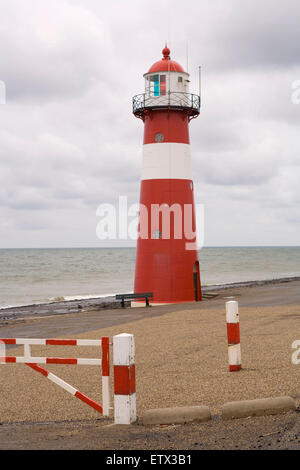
(181, 356)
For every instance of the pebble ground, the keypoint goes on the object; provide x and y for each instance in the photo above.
(181, 359)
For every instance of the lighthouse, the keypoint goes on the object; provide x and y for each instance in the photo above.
(167, 261)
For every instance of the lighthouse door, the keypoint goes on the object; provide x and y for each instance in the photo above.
(196, 281)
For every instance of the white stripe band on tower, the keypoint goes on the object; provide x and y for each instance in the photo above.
(167, 160)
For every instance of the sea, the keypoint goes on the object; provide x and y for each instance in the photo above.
(34, 276)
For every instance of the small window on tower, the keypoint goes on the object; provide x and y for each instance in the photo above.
(157, 85)
(162, 85)
(179, 79)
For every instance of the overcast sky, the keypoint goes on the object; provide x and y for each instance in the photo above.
(69, 141)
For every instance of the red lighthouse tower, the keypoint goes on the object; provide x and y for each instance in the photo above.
(167, 256)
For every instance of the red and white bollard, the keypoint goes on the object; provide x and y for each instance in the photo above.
(233, 334)
(124, 379)
(105, 375)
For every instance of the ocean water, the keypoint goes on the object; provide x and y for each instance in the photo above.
(30, 276)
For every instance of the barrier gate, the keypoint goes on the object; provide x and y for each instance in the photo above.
(124, 370)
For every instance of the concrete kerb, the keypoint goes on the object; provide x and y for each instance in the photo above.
(230, 410)
(258, 407)
(180, 415)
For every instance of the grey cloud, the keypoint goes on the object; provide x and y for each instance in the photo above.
(252, 34)
(69, 142)
(54, 50)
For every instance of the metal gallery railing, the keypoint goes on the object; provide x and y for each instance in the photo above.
(175, 100)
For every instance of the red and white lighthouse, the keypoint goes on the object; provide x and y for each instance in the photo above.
(167, 255)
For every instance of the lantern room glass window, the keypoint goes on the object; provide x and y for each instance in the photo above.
(156, 85)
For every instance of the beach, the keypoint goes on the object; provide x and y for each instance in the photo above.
(181, 359)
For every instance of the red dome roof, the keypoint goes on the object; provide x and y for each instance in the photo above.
(166, 64)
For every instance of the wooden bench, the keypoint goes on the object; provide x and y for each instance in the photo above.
(143, 295)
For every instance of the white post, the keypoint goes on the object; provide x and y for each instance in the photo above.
(2, 352)
(27, 351)
(233, 334)
(124, 379)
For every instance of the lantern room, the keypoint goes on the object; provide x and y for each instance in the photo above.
(165, 76)
(166, 86)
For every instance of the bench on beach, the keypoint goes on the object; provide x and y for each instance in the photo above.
(142, 295)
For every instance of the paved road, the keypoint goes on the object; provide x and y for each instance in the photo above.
(80, 322)
(269, 432)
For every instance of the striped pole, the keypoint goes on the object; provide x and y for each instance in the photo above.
(2, 352)
(51, 360)
(124, 379)
(52, 342)
(27, 358)
(233, 334)
(105, 375)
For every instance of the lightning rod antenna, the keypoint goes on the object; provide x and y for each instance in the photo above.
(200, 84)
(187, 56)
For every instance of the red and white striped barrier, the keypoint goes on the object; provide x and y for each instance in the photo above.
(124, 379)
(233, 334)
(124, 370)
(27, 358)
(32, 362)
